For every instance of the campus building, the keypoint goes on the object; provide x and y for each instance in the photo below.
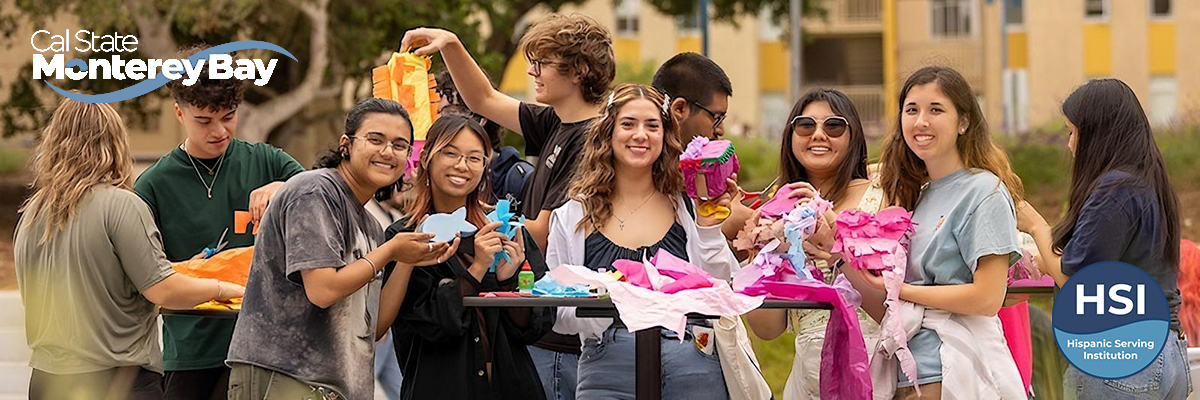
(1022, 57)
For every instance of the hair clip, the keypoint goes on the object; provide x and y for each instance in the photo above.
(666, 105)
(611, 97)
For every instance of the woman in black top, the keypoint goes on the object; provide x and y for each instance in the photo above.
(1122, 208)
(446, 350)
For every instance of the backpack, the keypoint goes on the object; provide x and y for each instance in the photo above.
(509, 173)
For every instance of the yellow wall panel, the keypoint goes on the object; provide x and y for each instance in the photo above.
(515, 80)
(687, 43)
(627, 49)
(1162, 48)
(772, 66)
(1018, 50)
(1097, 50)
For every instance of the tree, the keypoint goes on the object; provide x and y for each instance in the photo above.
(336, 44)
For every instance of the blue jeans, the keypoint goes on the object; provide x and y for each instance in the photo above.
(387, 368)
(1167, 377)
(606, 368)
(557, 372)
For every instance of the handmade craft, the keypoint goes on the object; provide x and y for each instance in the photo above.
(510, 221)
(231, 265)
(706, 165)
(446, 226)
(407, 79)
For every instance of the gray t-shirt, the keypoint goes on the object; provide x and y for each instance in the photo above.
(959, 218)
(314, 222)
(84, 310)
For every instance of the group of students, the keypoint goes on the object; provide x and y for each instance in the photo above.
(93, 248)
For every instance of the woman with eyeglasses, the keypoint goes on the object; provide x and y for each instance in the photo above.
(315, 303)
(447, 350)
(824, 151)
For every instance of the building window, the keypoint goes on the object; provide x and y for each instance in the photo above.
(1095, 8)
(951, 17)
(1164, 96)
(1014, 12)
(627, 17)
(688, 24)
(1160, 8)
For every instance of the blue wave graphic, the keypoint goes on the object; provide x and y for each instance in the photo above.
(149, 85)
(1114, 361)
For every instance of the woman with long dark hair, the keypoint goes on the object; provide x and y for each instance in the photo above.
(941, 164)
(447, 350)
(1121, 208)
(314, 302)
(824, 151)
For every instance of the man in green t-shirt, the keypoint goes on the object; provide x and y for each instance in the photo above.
(211, 184)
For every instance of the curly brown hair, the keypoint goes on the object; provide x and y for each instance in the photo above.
(207, 93)
(595, 176)
(583, 45)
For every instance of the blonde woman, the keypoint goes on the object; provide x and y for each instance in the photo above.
(91, 268)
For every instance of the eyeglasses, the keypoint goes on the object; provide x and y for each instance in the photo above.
(717, 118)
(378, 143)
(537, 65)
(451, 157)
(833, 126)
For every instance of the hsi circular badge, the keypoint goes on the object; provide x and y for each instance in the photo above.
(1111, 320)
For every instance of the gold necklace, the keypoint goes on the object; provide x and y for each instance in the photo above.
(621, 222)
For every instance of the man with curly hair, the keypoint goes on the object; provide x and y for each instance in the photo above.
(210, 186)
(572, 64)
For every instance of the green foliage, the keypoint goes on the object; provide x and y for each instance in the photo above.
(12, 160)
(640, 72)
(759, 161)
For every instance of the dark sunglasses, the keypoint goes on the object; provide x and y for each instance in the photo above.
(833, 126)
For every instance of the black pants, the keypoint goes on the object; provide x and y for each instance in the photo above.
(134, 383)
(197, 384)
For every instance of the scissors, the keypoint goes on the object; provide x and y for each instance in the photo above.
(221, 243)
(759, 195)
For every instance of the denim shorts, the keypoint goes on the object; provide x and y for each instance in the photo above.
(606, 367)
(1167, 377)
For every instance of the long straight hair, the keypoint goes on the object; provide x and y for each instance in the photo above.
(1114, 134)
(418, 199)
(84, 145)
(595, 178)
(903, 173)
(854, 166)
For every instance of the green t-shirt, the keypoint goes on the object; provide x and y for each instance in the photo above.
(190, 221)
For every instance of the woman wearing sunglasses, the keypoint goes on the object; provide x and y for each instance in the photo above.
(824, 152)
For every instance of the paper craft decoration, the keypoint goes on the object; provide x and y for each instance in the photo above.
(407, 79)
(446, 226)
(548, 287)
(240, 220)
(231, 265)
(706, 165)
(784, 229)
(1025, 272)
(879, 243)
(511, 221)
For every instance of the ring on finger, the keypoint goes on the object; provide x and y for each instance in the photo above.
(430, 246)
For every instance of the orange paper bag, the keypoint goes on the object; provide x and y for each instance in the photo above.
(231, 265)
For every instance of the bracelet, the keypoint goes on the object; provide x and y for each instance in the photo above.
(220, 291)
(372, 263)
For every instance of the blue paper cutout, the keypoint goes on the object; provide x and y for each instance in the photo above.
(446, 226)
(511, 222)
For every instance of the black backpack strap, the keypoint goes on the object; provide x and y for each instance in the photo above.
(691, 208)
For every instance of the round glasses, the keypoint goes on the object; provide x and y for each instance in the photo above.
(833, 126)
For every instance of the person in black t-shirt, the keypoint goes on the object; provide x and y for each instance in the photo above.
(571, 61)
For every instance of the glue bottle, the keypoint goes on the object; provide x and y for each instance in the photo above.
(525, 279)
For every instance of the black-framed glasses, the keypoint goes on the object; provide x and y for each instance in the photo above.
(833, 126)
(537, 65)
(718, 118)
(379, 143)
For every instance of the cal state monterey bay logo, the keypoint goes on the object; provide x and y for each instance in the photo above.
(153, 73)
(1111, 320)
